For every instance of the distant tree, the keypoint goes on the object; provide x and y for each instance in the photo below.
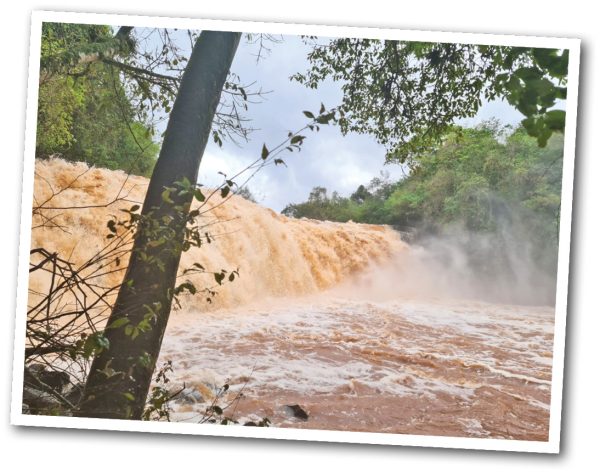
(318, 194)
(84, 112)
(360, 195)
(246, 193)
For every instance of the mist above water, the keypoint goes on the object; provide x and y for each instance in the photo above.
(445, 268)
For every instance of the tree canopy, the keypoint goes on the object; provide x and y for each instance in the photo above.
(408, 95)
(103, 93)
(85, 112)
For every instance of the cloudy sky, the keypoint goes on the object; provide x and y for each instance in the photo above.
(327, 158)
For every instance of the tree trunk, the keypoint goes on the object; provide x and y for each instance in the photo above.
(120, 376)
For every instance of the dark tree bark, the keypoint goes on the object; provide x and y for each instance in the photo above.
(120, 376)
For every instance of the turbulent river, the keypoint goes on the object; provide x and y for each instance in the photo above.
(344, 320)
(455, 368)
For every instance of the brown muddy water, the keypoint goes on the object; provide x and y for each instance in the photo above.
(437, 368)
(345, 320)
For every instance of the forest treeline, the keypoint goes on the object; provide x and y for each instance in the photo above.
(485, 181)
(84, 110)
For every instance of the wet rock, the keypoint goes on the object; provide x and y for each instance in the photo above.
(189, 396)
(264, 422)
(43, 389)
(35, 368)
(32, 372)
(39, 401)
(39, 376)
(57, 380)
(75, 393)
(296, 411)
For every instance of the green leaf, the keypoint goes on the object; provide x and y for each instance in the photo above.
(225, 191)
(528, 73)
(297, 139)
(219, 278)
(166, 196)
(88, 347)
(129, 396)
(95, 343)
(530, 125)
(308, 114)
(561, 93)
(265, 152)
(145, 359)
(325, 119)
(185, 182)
(101, 341)
(555, 120)
(119, 322)
(199, 195)
(542, 87)
(543, 137)
(550, 60)
(185, 286)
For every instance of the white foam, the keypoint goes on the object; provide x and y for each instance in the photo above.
(321, 345)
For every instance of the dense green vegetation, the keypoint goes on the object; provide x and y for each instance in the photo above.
(408, 95)
(486, 181)
(84, 111)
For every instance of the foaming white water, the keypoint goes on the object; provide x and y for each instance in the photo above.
(346, 320)
(399, 366)
(275, 255)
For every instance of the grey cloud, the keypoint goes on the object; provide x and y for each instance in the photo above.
(327, 159)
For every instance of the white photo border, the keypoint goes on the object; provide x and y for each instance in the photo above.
(553, 443)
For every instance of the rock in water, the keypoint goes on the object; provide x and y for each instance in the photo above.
(39, 401)
(57, 380)
(296, 411)
(189, 396)
(75, 393)
(40, 377)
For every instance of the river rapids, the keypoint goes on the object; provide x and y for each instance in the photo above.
(343, 320)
